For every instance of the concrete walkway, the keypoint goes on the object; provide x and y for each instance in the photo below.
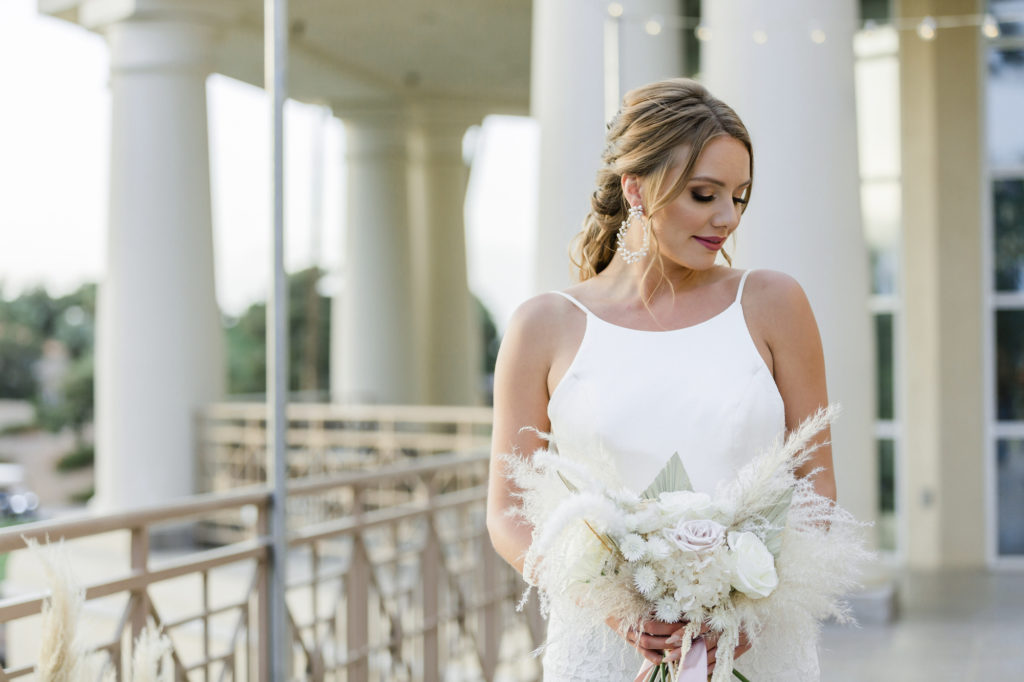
(953, 626)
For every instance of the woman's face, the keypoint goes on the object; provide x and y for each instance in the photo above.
(692, 229)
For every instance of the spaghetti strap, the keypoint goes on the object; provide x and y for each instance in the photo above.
(743, 281)
(573, 301)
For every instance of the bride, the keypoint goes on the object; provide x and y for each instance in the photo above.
(659, 348)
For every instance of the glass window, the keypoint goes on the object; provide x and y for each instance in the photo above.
(1008, 13)
(886, 494)
(1005, 104)
(884, 366)
(1010, 364)
(877, 10)
(878, 103)
(1008, 213)
(1010, 496)
(880, 209)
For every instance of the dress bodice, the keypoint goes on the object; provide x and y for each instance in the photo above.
(637, 397)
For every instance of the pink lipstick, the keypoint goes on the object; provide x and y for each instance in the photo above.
(711, 243)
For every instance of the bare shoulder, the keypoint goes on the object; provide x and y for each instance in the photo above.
(537, 327)
(542, 314)
(778, 312)
(774, 297)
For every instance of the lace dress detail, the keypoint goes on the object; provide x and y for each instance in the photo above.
(712, 400)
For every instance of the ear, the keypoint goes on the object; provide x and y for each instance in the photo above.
(631, 189)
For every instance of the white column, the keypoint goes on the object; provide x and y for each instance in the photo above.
(644, 55)
(159, 348)
(567, 99)
(372, 335)
(796, 97)
(449, 331)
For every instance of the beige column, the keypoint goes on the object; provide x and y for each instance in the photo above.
(159, 348)
(943, 290)
(796, 96)
(373, 357)
(449, 336)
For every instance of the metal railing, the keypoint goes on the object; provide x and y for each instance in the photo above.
(401, 591)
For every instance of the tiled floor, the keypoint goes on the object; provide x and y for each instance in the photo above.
(955, 627)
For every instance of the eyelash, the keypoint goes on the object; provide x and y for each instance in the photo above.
(705, 198)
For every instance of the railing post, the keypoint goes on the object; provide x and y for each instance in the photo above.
(263, 642)
(491, 615)
(431, 610)
(431, 568)
(357, 598)
(139, 553)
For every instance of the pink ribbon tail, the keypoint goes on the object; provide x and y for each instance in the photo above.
(694, 668)
(695, 664)
(645, 669)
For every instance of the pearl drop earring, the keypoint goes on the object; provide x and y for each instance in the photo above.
(637, 213)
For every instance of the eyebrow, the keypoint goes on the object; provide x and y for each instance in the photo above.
(713, 181)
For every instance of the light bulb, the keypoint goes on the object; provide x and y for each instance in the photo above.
(760, 37)
(615, 9)
(990, 27)
(818, 36)
(702, 32)
(653, 26)
(926, 29)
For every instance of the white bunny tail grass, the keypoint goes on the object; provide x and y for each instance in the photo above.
(62, 658)
(151, 658)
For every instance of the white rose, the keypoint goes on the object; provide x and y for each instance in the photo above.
(753, 566)
(686, 502)
(698, 535)
(590, 557)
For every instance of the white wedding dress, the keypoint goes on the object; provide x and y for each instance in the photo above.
(637, 397)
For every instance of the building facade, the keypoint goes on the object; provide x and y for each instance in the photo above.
(890, 182)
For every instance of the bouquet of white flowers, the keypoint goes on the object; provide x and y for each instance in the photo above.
(764, 546)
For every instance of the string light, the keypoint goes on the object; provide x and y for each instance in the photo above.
(926, 29)
(990, 27)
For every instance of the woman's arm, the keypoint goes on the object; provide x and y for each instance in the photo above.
(784, 317)
(520, 401)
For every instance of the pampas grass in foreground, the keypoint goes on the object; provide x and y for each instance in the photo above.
(62, 655)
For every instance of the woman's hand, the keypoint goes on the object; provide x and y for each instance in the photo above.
(651, 640)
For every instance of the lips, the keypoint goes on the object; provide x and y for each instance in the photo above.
(711, 243)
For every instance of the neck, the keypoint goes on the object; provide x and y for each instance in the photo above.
(648, 281)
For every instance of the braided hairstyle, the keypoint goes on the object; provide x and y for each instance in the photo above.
(643, 140)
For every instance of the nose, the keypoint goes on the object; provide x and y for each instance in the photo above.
(727, 215)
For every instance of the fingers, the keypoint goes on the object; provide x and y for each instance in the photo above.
(660, 628)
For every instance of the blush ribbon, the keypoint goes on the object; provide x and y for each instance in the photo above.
(694, 668)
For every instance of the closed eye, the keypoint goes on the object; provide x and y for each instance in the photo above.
(706, 198)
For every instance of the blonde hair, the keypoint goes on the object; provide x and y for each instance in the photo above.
(643, 139)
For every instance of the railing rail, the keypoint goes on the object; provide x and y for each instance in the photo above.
(397, 591)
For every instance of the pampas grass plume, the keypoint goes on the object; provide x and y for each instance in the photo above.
(61, 654)
(151, 658)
